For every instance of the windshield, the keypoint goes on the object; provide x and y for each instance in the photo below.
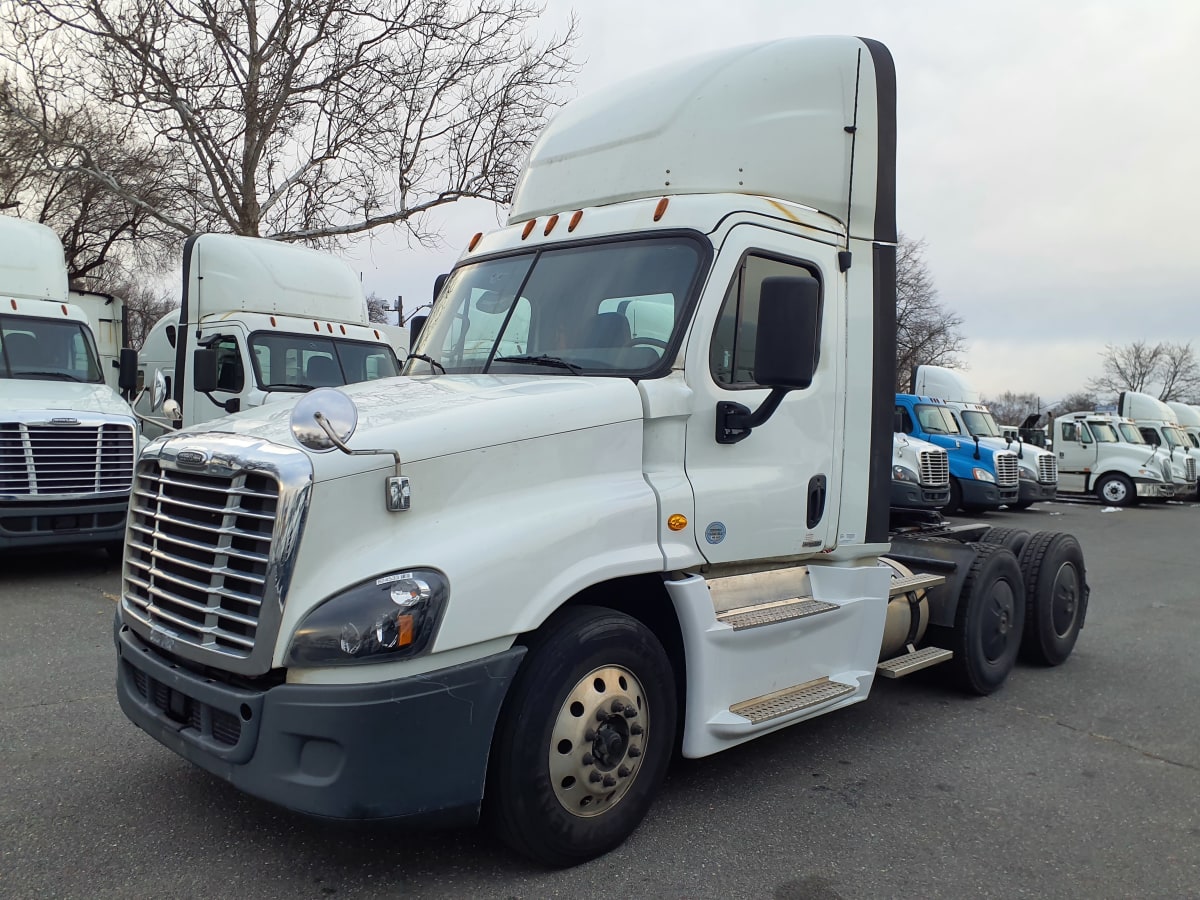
(1104, 433)
(1173, 437)
(980, 424)
(47, 349)
(290, 362)
(1131, 434)
(936, 420)
(604, 309)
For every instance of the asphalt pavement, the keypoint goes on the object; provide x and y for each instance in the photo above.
(1080, 781)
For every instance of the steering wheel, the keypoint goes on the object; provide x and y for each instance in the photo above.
(652, 342)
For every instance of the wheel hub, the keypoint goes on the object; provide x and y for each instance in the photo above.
(597, 741)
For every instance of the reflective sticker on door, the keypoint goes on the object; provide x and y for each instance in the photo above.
(715, 532)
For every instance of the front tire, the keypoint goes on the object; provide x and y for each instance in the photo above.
(584, 738)
(1056, 597)
(1117, 490)
(955, 501)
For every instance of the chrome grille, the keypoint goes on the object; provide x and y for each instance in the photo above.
(1006, 469)
(197, 554)
(935, 468)
(1191, 468)
(48, 460)
(1047, 468)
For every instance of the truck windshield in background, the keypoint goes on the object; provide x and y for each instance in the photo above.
(1105, 433)
(612, 308)
(47, 349)
(936, 419)
(1129, 433)
(980, 424)
(290, 362)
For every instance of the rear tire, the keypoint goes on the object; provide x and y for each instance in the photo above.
(584, 737)
(1056, 596)
(1116, 489)
(988, 624)
(1012, 538)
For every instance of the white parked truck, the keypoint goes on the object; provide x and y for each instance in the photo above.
(631, 494)
(67, 439)
(106, 317)
(1037, 469)
(920, 474)
(1106, 456)
(1160, 426)
(1188, 417)
(260, 320)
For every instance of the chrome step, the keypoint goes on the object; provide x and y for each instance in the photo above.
(917, 582)
(770, 613)
(913, 661)
(789, 700)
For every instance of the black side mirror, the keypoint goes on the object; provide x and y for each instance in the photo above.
(128, 371)
(439, 283)
(415, 324)
(204, 370)
(785, 349)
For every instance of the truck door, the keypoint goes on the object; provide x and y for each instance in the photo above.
(1076, 456)
(775, 493)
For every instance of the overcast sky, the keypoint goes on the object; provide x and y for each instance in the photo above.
(1047, 156)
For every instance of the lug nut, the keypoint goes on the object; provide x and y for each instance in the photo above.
(630, 712)
(588, 759)
(609, 781)
(589, 735)
(595, 777)
(601, 715)
(635, 752)
(617, 706)
(635, 729)
(624, 771)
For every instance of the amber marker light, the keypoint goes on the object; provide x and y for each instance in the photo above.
(661, 208)
(528, 228)
(575, 220)
(343, 327)
(316, 327)
(474, 241)
(14, 303)
(550, 223)
(273, 322)
(677, 522)
(376, 332)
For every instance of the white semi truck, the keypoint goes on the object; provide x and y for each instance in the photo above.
(1105, 455)
(630, 496)
(1160, 426)
(1188, 417)
(260, 320)
(920, 474)
(67, 439)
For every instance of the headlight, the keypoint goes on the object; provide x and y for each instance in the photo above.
(983, 475)
(903, 473)
(1149, 473)
(392, 617)
(1027, 474)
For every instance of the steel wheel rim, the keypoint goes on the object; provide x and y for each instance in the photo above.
(998, 621)
(1115, 491)
(598, 739)
(1064, 599)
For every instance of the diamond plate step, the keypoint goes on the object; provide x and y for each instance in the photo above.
(769, 614)
(789, 700)
(899, 666)
(917, 582)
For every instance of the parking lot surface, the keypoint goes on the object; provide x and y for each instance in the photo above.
(1080, 781)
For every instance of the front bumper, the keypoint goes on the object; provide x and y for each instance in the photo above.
(1035, 491)
(1154, 489)
(906, 495)
(985, 494)
(413, 748)
(56, 523)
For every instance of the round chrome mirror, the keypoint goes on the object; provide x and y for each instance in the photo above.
(158, 392)
(336, 408)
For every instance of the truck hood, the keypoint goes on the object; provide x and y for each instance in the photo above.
(1031, 452)
(22, 395)
(428, 417)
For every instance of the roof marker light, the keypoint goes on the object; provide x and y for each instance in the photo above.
(528, 228)
(64, 309)
(329, 325)
(316, 327)
(272, 321)
(376, 332)
(575, 219)
(475, 240)
(343, 327)
(661, 208)
(14, 303)
(550, 223)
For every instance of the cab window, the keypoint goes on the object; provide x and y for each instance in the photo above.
(231, 374)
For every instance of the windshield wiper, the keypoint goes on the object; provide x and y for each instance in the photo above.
(429, 359)
(65, 375)
(554, 362)
(284, 386)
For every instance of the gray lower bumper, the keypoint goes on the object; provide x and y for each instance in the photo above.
(51, 523)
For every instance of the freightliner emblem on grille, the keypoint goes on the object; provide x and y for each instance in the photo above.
(63, 420)
(191, 458)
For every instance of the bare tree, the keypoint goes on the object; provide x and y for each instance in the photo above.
(1169, 370)
(144, 306)
(299, 119)
(1080, 401)
(1011, 409)
(927, 333)
(377, 310)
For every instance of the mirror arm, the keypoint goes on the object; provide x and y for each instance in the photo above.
(341, 445)
(735, 421)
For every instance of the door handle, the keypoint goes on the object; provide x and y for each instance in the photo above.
(816, 500)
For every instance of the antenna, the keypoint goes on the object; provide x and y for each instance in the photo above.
(852, 130)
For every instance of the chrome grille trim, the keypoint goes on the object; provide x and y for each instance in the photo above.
(44, 460)
(210, 549)
(934, 468)
(1047, 468)
(1006, 469)
(1191, 468)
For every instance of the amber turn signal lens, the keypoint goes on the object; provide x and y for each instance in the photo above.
(677, 522)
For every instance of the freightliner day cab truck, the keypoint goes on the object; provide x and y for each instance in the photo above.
(1037, 469)
(261, 320)
(106, 317)
(981, 476)
(920, 474)
(1106, 455)
(1159, 425)
(630, 496)
(67, 439)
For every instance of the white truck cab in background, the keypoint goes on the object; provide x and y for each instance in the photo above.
(630, 494)
(1188, 417)
(1105, 455)
(260, 320)
(1037, 468)
(920, 473)
(1160, 426)
(106, 316)
(67, 439)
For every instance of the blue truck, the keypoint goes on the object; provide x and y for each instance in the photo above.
(981, 477)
